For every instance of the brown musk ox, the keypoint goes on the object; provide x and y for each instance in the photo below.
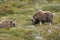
(7, 24)
(42, 17)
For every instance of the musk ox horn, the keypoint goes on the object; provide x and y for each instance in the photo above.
(33, 19)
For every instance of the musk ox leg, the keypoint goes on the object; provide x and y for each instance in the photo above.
(50, 22)
(40, 23)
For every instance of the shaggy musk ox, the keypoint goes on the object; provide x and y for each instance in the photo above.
(42, 17)
(6, 24)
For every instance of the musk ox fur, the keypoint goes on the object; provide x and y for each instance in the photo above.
(7, 24)
(42, 17)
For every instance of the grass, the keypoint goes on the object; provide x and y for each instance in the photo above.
(24, 30)
(14, 34)
(21, 31)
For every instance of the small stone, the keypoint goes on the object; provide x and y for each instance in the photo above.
(49, 31)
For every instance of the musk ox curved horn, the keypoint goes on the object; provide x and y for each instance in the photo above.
(33, 19)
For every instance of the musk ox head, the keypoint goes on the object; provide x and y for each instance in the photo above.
(34, 22)
(7, 23)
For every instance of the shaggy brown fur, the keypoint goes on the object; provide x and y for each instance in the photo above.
(42, 16)
(6, 23)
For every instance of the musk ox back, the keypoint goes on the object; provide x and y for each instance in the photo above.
(6, 24)
(42, 17)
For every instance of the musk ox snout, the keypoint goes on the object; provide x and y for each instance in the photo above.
(32, 22)
(7, 24)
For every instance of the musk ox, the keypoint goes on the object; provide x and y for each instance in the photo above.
(42, 17)
(7, 24)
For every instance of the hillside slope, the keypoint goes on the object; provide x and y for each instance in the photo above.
(21, 12)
